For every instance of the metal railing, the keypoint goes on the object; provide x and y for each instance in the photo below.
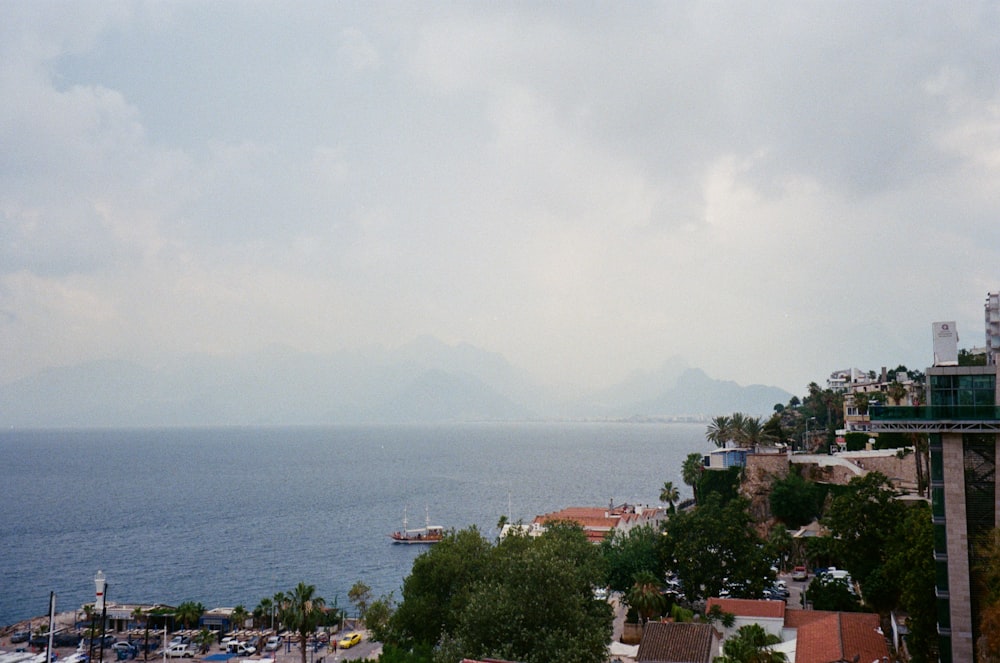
(934, 413)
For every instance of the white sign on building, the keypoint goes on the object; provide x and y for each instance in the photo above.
(945, 343)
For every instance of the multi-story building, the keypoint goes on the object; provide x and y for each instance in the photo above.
(962, 420)
(992, 327)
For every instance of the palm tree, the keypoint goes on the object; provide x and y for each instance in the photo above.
(279, 605)
(238, 618)
(751, 433)
(691, 472)
(860, 400)
(751, 644)
(139, 615)
(204, 640)
(263, 611)
(188, 613)
(719, 430)
(669, 495)
(645, 596)
(302, 613)
(896, 391)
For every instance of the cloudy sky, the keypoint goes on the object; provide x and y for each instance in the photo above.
(770, 191)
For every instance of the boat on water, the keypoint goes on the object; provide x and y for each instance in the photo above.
(426, 534)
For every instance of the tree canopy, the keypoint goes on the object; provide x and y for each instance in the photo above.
(627, 553)
(751, 644)
(715, 546)
(525, 598)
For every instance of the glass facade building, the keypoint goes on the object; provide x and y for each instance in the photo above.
(962, 422)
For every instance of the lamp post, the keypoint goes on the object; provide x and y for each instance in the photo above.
(101, 604)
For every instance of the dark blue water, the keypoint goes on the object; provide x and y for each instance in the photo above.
(228, 516)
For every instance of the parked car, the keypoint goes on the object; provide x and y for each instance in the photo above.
(273, 643)
(240, 648)
(59, 639)
(20, 636)
(179, 651)
(349, 640)
(129, 649)
(800, 573)
(224, 644)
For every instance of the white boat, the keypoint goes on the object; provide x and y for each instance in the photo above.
(421, 535)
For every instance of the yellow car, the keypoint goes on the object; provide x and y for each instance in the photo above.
(349, 640)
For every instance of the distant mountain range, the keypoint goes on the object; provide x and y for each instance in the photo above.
(423, 381)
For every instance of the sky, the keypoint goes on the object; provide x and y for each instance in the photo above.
(770, 191)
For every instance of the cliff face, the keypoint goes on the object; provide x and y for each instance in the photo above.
(764, 469)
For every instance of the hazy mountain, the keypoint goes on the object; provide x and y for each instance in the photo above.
(423, 381)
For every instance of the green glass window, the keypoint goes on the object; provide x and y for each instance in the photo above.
(941, 574)
(941, 546)
(944, 613)
(937, 465)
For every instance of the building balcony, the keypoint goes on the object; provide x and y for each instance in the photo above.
(920, 413)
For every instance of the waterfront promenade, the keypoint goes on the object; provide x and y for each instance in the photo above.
(288, 652)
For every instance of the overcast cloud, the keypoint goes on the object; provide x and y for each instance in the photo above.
(769, 190)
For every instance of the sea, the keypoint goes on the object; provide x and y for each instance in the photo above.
(228, 516)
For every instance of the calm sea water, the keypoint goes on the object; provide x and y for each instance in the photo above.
(228, 515)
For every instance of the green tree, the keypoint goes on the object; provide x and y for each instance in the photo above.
(360, 595)
(691, 472)
(437, 589)
(724, 483)
(188, 613)
(302, 612)
(911, 560)
(140, 617)
(796, 501)
(627, 553)
(204, 640)
(239, 617)
(862, 522)
(537, 604)
(646, 596)
(719, 431)
(716, 546)
(751, 644)
(829, 593)
(263, 614)
(525, 598)
(669, 495)
(377, 616)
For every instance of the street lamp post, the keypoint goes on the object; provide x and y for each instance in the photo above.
(102, 605)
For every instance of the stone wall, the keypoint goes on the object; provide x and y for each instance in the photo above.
(761, 471)
(902, 471)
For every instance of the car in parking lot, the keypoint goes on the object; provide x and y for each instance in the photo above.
(800, 573)
(127, 649)
(59, 639)
(20, 636)
(349, 640)
(273, 643)
(179, 651)
(240, 648)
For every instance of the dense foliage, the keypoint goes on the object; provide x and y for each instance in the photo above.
(796, 501)
(627, 553)
(714, 547)
(829, 593)
(863, 522)
(751, 644)
(525, 598)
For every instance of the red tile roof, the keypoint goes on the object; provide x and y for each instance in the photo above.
(828, 637)
(750, 607)
(677, 643)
